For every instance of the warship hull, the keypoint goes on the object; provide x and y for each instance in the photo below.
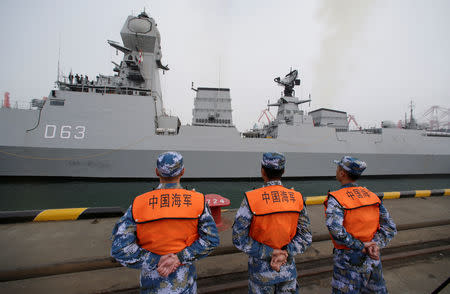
(112, 136)
(201, 165)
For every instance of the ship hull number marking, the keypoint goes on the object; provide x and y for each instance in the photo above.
(65, 132)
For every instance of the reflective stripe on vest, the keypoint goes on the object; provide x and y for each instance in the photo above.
(167, 219)
(361, 213)
(275, 212)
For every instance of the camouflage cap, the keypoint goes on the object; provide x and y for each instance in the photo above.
(352, 165)
(170, 164)
(273, 160)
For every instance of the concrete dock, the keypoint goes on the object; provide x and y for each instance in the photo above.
(73, 256)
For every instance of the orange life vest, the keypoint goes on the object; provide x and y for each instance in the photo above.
(167, 219)
(275, 212)
(361, 213)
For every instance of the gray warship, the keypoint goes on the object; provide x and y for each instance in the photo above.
(115, 126)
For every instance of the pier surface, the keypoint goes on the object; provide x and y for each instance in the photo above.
(73, 256)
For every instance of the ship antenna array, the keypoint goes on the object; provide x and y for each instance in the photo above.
(59, 56)
(218, 92)
(411, 106)
(219, 70)
(192, 87)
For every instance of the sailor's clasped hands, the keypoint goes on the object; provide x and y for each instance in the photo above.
(168, 264)
(279, 258)
(372, 250)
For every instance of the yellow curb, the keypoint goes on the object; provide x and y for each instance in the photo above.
(312, 200)
(423, 193)
(59, 214)
(391, 195)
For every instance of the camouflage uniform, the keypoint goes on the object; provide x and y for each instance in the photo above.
(183, 280)
(262, 279)
(354, 272)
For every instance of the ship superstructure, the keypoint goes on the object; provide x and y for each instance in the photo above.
(288, 112)
(115, 127)
(212, 107)
(138, 72)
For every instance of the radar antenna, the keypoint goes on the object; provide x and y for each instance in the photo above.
(289, 82)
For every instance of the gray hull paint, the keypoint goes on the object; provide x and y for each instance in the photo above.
(200, 164)
(120, 142)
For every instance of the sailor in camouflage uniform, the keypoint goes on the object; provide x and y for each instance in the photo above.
(360, 226)
(272, 226)
(165, 231)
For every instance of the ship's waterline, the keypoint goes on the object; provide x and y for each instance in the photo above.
(28, 193)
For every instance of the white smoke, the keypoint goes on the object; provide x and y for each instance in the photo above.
(343, 22)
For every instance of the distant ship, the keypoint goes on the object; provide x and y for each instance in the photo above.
(115, 127)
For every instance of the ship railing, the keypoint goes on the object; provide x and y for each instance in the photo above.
(104, 89)
(437, 133)
(372, 131)
(17, 104)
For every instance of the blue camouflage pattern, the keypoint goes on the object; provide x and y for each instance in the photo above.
(290, 286)
(352, 165)
(261, 275)
(273, 160)
(354, 272)
(170, 164)
(349, 278)
(183, 280)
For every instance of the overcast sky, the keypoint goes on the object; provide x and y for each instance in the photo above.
(368, 58)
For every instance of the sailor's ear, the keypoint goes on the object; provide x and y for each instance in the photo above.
(182, 172)
(263, 174)
(342, 173)
(157, 172)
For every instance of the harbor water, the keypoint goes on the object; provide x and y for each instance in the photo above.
(20, 193)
